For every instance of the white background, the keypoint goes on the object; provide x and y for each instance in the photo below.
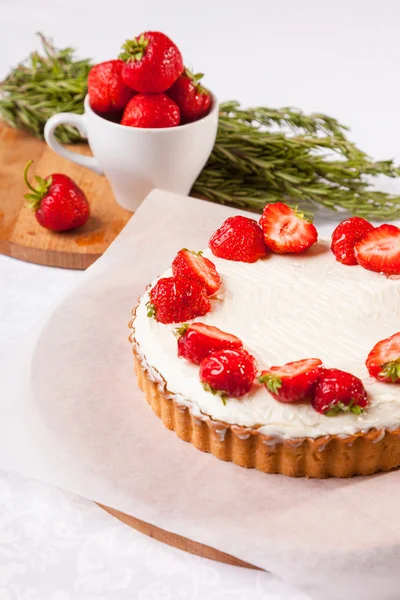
(341, 58)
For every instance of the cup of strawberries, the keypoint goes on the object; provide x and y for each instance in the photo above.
(149, 121)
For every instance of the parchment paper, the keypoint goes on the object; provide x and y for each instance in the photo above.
(72, 415)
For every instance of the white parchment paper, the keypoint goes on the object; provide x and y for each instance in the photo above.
(72, 415)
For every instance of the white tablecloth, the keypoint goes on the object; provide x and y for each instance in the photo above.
(57, 546)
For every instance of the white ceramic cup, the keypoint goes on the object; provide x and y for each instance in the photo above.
(137, 160)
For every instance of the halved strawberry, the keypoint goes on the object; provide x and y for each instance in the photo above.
(383, 362)
(175, 300)
(379, 250)
(294, 381)
(286, 230)
(345, 237)
(195, 266)
(198, 340)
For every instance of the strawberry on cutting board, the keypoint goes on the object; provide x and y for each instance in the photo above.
(177, 299)
(152, 62)
(193, 99)
(294, 381)
(345, 237)
(193, 265)
(240, 239)
(151, 111)
(286, 230)
(59, 204)
(383, 362)
(106, 88)
(379, 250)
(228, 373)
(196, 341)
(338, 391)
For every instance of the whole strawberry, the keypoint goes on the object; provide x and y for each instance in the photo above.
(379, 250)
(228, 373)
(337, 391)
(196, 341)
(106, 88)
(383, 362)
(194, 101)
(151, 111)
(152, 62)
(59, 204)
(240, 239)
(345, 237)
(293, 382)
(175, 300)
(286, 230)
(195, 266)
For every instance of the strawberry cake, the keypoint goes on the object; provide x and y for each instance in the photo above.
(278, 350)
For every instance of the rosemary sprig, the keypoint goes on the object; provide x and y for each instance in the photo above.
(43, 85)
(261, 154)
(264, 155)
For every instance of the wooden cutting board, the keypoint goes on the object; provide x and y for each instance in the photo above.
(22, 237)
(177, 541)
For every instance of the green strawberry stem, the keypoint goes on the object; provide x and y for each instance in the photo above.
(180, 331)
(196, 77)
(34, 198)
(273, 382)
(341, 407)
(391, 370)
(134, 49)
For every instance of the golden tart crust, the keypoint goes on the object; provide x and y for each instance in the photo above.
(363, 453)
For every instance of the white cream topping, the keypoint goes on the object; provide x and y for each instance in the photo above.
(286, 308)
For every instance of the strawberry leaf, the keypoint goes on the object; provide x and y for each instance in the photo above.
(391, 370)
(180, 331)
(272, 382)
(151, 309)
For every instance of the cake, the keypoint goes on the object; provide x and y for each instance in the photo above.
(284, 307)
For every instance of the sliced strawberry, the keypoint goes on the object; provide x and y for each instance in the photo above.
(338, 391)
(228, 373)
(294, 381)
(383, 362)
(198, 340)
(240, 239)
(379, 250)
(195, 266)
(345, 237)
(286, 230)
(175, 300)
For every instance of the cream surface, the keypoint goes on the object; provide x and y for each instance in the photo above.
(285, 308)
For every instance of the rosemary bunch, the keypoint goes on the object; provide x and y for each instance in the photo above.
(43, 85)
(264, 155)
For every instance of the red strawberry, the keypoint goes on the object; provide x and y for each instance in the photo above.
(107, 91)
(240, 239)
(175, 300)
(338, 391)
(193, 100)
(152, 62)
(379, 250)
(195, 266)
(151, 111)
(286, 230)
(198, 340)
(345, 237)
(59, 204)
(383, 362)
(228, 373)
(294, 381)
